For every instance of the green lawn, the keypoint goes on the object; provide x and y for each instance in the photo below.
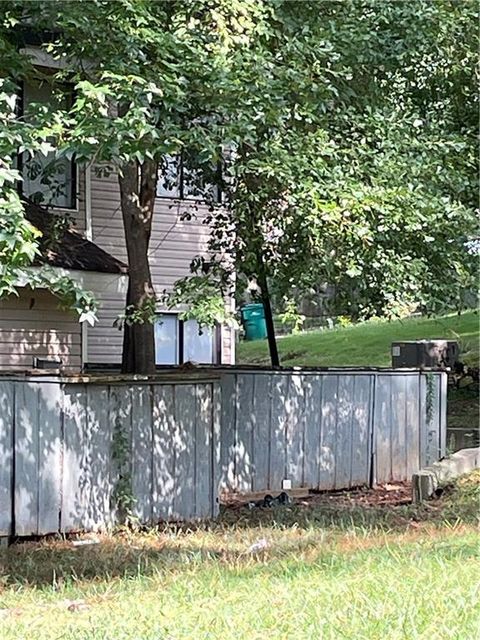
(366, 344)
(386, 574)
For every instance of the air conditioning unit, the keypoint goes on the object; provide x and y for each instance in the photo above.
(441, 354)
(46, 363)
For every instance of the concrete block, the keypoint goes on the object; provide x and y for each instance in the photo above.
(426, 481)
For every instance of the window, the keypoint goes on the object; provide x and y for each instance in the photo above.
(198, 344)
(166, 340)
(179, 178)
(178, 341)
(46, 179)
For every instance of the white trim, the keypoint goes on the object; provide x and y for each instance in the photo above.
(93, 280)
(88, 203)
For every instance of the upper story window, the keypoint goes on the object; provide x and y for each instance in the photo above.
(48, 180)
(180, 179)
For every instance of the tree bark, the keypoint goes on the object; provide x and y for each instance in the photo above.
(267, 307)
(137, 192)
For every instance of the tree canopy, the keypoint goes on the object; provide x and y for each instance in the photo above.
(346, 131)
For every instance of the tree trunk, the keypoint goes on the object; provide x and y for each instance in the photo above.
(267, 307)
(137, 191)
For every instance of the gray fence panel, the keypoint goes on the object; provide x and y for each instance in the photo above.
(244, 426)
(313, 426)
(184, 445)
(433, 403)
(361, 458)
(77, 480)
(142, 452)
(344, 437)
(163, 471)
(295, 430)
(383, 428)
(227, 437)
(261, 432)
(26, 459)
(279, 417)
(6, 456)
(399, 404)
(443, 415)
(216, 448)
(328, 442)
(50, 399)
(204, 481)
(412, 445)
(184, 441)
(100, 431)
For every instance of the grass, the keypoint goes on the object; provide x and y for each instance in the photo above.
(357, 573)
(366, 344)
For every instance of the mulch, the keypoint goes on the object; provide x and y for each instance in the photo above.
(384, 495)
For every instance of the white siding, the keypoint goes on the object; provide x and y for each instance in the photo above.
(33, 325)
(173, 244)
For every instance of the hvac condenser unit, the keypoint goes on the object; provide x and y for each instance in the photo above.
(425, 353)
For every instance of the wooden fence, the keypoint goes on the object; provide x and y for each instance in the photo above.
(329, 430)
(77, 454)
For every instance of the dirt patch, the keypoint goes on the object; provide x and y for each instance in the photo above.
(385, 495)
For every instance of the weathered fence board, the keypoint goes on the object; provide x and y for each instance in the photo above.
(76, 482)
(142, 448)
(313, 424)
(7, 391)
(321, 428)
(163, 470)
(79, 455)
(360, 460)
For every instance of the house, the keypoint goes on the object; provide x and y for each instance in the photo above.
(34, 330)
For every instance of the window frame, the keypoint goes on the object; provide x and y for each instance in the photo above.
(74, 171)
(181, 185)
(180, 346)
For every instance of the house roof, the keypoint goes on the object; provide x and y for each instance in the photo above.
(66, 248)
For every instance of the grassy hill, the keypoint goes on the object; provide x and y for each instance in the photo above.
(368, 343)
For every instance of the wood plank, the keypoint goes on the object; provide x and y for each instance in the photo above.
(360, 464)
(313, 426)
(77, 478)
(423, 425)
(328, 442)
(184, 443)
(142, 448)
(6, 456)
(279, 412)
(383, 429)
(398, 405)
(344, 440)
(245, 426)
(413, 425)
(100, 450)
(443, 414)
(50, 408)
(433, 432)
(216, 447)
(163, 477)
(26, 459)
(203, 451)
(227, 438)
(295, 430)
(261, 433)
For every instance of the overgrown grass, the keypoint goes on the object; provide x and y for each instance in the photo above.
(358, 573)
(366, 344)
